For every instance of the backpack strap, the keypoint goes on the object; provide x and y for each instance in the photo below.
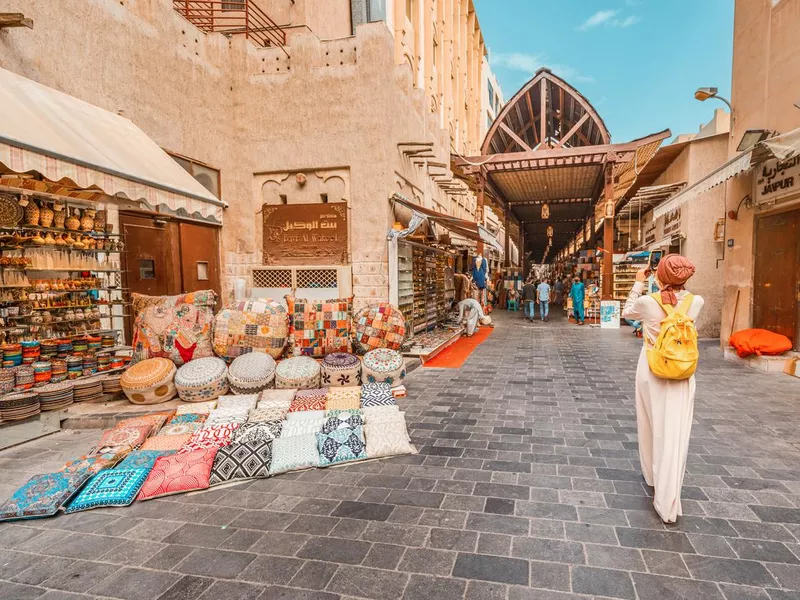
(667, 308)
(685, 304)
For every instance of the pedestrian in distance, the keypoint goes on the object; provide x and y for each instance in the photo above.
(578, 294)
(558, 292)
(543, 298)
(528, 299)
(665, 383)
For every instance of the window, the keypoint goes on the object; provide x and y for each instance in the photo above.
(376, 10)
(147, 268)
(491, 95)
(202, 270)
(233, 5)
(207, 176)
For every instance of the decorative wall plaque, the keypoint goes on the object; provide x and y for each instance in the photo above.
(305, 234)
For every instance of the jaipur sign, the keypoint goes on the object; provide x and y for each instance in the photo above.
(305, 234)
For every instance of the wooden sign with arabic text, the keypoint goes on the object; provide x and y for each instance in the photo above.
(305, 234)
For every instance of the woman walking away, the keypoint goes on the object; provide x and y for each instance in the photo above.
(664, 406)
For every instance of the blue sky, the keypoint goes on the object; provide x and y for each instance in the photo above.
(637, 61)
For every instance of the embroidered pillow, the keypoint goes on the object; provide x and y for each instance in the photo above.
(196, 408)
(42, 495)
(295, 452)
(180, 428)
(388, 438)
(309, 400)
(341, 445)
(226, 416)
(178, 473)
(187, 418)
(114, 487)
(305, 415)
(92, 463)
(247, 401)
(267, 414)
(125, 436)
(343, 398)
(320, 328)
(155, 420)
(251, 433)
(242, 461)
(166, 442)
(277, 396)
(302, 427)
(342, 419)
(143, 459)
(215, 436)
(376, 394)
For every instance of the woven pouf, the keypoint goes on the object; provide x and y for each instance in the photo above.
(251, 373)
(300, 372)
(149, 381)
(379, 326)
(341, 369)
(202, 379)
(252, 325)
(383, 366)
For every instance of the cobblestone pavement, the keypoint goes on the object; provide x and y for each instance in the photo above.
(527, 485)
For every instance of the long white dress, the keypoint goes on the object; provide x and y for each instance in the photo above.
(664, 410)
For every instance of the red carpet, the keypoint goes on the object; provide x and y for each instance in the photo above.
(454, 355)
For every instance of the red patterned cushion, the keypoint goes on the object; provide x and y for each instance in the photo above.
(178, 473)
(309, 400)
(320, 328)
(215, 436)
(131, 435)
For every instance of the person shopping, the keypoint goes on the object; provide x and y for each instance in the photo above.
(528, 299)
(664, 407)
(471, 311)
(543, 298)
(578, 294)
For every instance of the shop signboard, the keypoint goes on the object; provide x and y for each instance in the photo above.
(305, 234)
(672, 222)
(609, 314)
(650, 235)
(776, 179)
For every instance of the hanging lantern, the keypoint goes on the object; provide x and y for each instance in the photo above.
(550, 231)
(545, 211)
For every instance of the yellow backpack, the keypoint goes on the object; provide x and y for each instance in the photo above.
(675, 353)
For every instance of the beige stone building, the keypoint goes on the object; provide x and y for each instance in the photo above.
(365, 98)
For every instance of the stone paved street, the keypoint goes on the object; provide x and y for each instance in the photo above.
(527, 485)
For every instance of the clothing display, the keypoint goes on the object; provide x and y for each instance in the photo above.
(480, 271)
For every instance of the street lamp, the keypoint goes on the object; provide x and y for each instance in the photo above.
(704, 93)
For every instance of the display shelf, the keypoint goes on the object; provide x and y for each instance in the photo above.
(94, 234)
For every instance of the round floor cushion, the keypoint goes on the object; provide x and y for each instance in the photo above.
(379, 326)
(252, 325)
(341, 369)
(202, 379)
(251, 373)
(149, 381)
(383, 366)
(299, 372)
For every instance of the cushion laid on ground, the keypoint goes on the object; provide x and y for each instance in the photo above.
(202, 380)
(388, 438)
(173, 327)
(383, 365)
(197, 408)
(300, 373)
(155, 421)
(224, 416)
(178, 473)
(150, 381)
(320, 328)
(43, 495)
(187, 418)
(380, 326)
(180, 428)
(343, 398)
(114, 487)
(247, 401)
(305, 415)
(759, 342)
(215, 436)
(242, 461)
(309, 400)
(376, 394)
(342, 419)
(341, 369)
(251, 373)
(250, 433)
(142, 459)
(286, 395)
(92, 463)
(341, 445)
(166, 442)
(251, 325)
(374, 413)
(295, 452)
(302, 427)
(124, 436)
(267, 413)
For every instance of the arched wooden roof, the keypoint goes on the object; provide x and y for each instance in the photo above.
(545, 112)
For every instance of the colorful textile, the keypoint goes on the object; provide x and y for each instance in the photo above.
(295, 452)
(197, 408)
(242, 461)
(155, 420)
(177, 473)
(341, 369)
(173, 327)
(166, 442)
(247, 401)
(91, 463)
(150, 381)
(252, 325)
(302, 427)
(124, 436)
(343, 398)
(379, 326)
(341, 445)
(309, 400)
(210, 437)
(114, 487)
(187, 418)
(286, 395)
(300, 372)
(383, 365)
(320, 328)
(388, 438)
(252, 372)
(305, 415)
(180, 428)
(376, 394)
(224, 416)
(268, 413)
(42, 495)
(251, 433)
(142, 459)
(377, 413)
(343, 419)
(202, 380)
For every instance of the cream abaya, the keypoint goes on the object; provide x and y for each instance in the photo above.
(664, 410)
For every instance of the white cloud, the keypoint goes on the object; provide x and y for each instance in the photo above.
(530, 63)
(628, 21)
(608, 18)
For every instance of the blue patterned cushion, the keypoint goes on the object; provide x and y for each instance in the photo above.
(187, 418)
(142, 459)
(341, 445)
(114, 487)
(342, 419)
(376, 394)
(295, 452)
(43, 495)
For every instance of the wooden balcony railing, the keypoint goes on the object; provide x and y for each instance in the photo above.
(233, 17)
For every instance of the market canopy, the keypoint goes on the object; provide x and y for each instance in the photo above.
(76, 144)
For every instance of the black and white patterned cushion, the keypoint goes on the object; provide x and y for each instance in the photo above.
(342, 419)
(376, 394)
(250, 433)
(241, 461)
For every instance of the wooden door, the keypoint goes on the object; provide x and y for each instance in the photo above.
(776, 297)
(200, 268)
(144, 261)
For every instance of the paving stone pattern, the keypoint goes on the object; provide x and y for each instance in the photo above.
(527, 486)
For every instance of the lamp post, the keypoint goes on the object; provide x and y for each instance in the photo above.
(704, 93)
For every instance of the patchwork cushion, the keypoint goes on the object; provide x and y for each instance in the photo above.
(379, 326)
(180, 472)
(341, 445)
(198, 408)
(142, 459)
(388, 438)
(252, 372)
(114, 487)
(286, 396)
(124, 436)
(150, 381)
(295, 452)
(215, 436)
(309, 400)
(302, 427)
(202, 380)
(180, 428)
(242, 461)
(383, 365)
(246, 401)
(268, 414)
(252, 325)
(342, 419)
(187, 418)
(220, 416)
(320, 328)
(343, 398)
(43, 495)
(166, 442)
(341, 369)
(300, 372)
(250, 433)
(376, 394)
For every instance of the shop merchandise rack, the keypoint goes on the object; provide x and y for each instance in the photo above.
(624, 277)
(426, 286)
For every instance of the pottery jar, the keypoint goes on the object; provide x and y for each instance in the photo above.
(87, 220)
(46, 215)
(73, 223)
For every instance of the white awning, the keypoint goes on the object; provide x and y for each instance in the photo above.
(68, 140)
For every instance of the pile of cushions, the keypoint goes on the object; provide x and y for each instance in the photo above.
(202, 380)
(150, 381)
(252, 325)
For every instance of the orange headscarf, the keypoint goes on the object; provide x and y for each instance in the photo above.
(673, 272)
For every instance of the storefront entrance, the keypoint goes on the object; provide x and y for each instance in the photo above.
(776, 300)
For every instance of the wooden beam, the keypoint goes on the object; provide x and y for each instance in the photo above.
(572, 131)
(9, 19)
(515, 137)
(530, 123)
(542, 116)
